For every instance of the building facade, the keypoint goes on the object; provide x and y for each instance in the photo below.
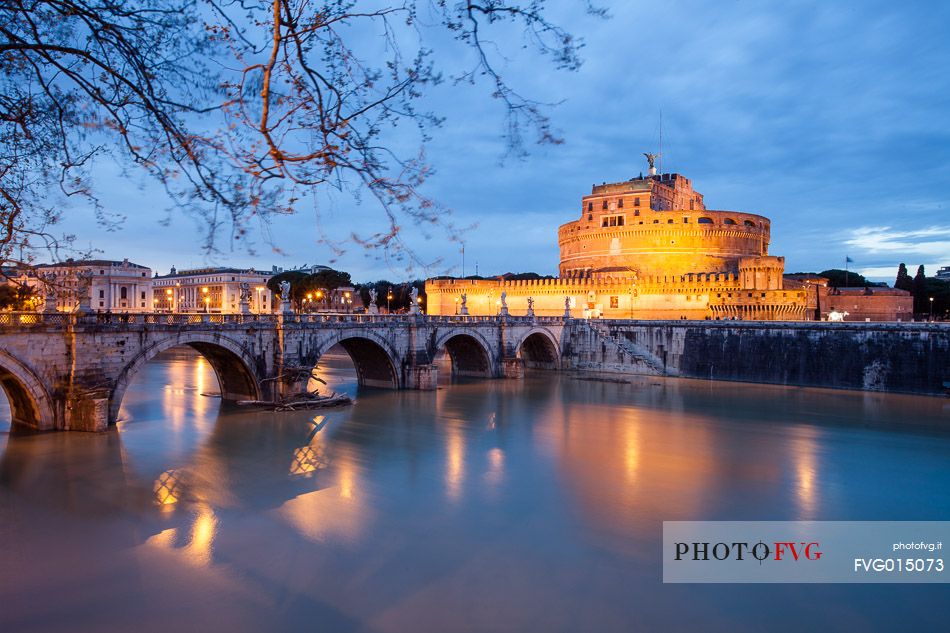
(648, 248)
(212, 290)
(107, 285)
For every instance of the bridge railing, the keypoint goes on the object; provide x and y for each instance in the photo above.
(20, 319)
(62, 319)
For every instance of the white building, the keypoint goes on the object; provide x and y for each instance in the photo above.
(111, 285)
(212, 290)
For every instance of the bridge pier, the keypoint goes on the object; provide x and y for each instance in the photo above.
(421, 377)
(88, 411)
(512, 368)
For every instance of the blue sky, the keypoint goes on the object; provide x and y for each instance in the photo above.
(832, 119)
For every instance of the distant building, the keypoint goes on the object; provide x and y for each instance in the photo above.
(109, 285)
(869, 304)
(944, 273)
(213, 290)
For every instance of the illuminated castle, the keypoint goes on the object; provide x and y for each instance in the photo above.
(647, 248)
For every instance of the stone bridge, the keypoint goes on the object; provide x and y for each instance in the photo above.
(70, 371)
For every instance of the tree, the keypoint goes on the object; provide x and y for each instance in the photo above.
(295, 278)
(240, 108)
(903, 281)
(921, 302)
(837, 278)
(15, 297)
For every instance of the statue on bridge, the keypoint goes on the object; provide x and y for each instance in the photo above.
(567, 307)
(285, 297)
(245, 297)
(504, 304)
(464, 310)
(531, 307)
(373, 308)
(49, 291)
(84, 291)
(414, 301)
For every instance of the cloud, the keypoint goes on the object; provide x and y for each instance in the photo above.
(925, 242)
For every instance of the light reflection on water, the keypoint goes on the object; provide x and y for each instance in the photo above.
(486, 505)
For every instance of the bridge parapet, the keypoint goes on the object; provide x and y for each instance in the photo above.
(70, 370)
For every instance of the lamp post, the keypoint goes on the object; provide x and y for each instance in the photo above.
(319, 295)
(260, 308)
(309, 301)
(346, 297)
(931, 309)
(170, 299)
(389, 297)
(456, 306)
(207, 300)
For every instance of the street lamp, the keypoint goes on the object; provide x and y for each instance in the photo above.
(931, 308)
(456, 306)
(169, 299)
(309, 301)
(260, 308)
(389, 297)
(207, 300)
(346, 295)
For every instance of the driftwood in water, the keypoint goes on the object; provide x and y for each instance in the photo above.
(299, 402)
(304, 400)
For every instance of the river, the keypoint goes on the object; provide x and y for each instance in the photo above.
(531, 505)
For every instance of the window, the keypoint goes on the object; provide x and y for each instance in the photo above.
(637, 212)
(620, 220)
(670, 221)
(705, 220)
(750, 223)
(102, 294)
(691, 205)
(636, 202)
(620, 203)
(590, 217)
(728, 221)
(685, 220)
(604, 206)
(143, 296)
(102, 272)
(143, 274)
(656, 221)
(615, 302)
(101, 304)
(124, 293)
(590, 207)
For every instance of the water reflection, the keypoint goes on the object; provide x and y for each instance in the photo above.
(484, 506)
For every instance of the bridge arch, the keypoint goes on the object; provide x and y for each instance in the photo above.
(30, 404)
(374, 358)
(539, 349)
(232, 364)
(470, 353)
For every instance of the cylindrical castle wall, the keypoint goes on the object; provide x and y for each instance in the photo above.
(663, 242)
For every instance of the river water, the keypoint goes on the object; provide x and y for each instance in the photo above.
(531, 505)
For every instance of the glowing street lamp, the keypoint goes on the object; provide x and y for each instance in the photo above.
(931, 308)
(260, 308)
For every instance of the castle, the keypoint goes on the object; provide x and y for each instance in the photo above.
(647, 248)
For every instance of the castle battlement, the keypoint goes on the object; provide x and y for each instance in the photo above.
(649, 248)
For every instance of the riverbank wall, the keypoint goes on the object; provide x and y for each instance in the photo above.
(890, 357)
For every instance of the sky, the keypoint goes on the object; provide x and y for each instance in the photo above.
(831, 118)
